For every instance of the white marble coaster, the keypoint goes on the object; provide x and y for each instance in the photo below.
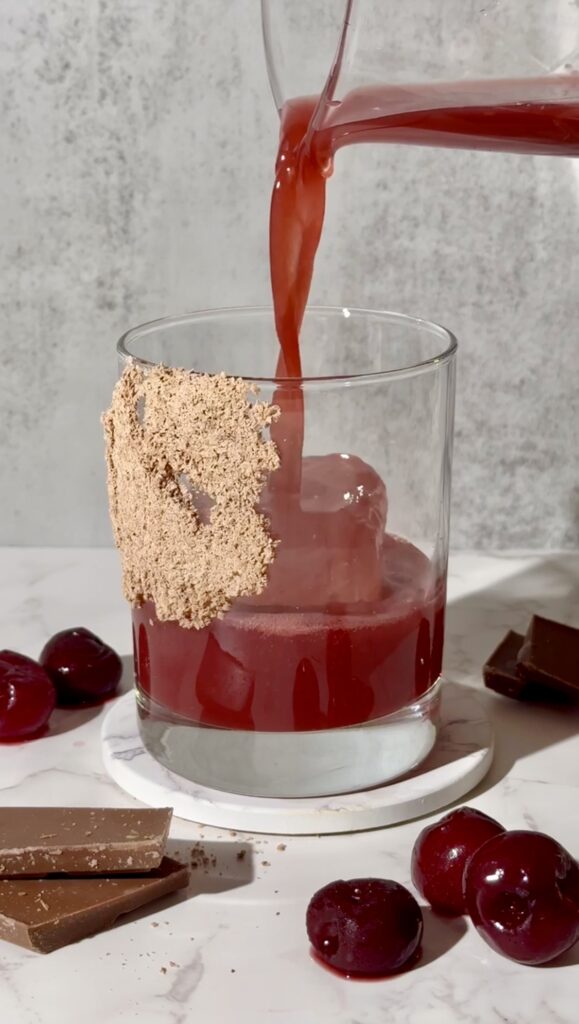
(461, 758)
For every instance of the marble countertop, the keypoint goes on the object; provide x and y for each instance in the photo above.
(234, 950)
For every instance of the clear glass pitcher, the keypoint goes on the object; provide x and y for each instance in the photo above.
(492, 74)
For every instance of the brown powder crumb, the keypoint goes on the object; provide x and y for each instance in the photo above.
(265, 864)
(173, 964)
(281, 846)
(154, 924)
(240, 855)
(200, 858)
(163, 970)
(173, 436)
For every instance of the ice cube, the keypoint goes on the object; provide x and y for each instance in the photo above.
(331, 538)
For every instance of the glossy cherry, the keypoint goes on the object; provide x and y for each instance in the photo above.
(440, 855)
(27, 696)
(83, 669)
(522, 893)
(365, 926)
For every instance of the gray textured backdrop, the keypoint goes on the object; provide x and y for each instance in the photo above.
(137, 138)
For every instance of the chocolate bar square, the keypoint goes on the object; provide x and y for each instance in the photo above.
(549, 657)
(46, 913)
(500, 671)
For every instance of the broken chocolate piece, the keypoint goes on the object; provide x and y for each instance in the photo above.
(549, 657)
(39, 841)
(500, 671)
(47, 913)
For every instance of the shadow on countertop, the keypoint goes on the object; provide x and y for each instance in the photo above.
(475, 625)
(214, 868)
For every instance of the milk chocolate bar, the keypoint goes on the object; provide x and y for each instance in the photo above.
(549, 657)
(39, 841)
(47, 913)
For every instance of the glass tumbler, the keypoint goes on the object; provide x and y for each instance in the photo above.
(329, 680)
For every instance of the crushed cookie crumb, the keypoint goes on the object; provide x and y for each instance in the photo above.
(240, 855)
(281, 846)
(173, 436)
(200, 858)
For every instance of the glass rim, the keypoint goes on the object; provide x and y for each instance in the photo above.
(412, 369)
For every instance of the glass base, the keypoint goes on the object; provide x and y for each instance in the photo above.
(292, 764)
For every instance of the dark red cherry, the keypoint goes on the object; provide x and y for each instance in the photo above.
(522, 893)
(83, 669)
(440, 855)
(365, 926)
(27, 696)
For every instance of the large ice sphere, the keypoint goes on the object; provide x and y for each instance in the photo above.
(330, 534)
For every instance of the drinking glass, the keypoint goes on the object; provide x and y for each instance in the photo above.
(329, 680)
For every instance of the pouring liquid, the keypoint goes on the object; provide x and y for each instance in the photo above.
(314, 666)
(531, 116)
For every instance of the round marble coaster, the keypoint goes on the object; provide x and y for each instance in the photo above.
(461, 758)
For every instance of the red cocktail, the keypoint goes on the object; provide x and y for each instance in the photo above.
(258, 668)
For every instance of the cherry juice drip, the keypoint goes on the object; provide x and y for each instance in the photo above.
(293, 659)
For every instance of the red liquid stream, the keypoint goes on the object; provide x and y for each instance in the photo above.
(536, 116)
(292, 666)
